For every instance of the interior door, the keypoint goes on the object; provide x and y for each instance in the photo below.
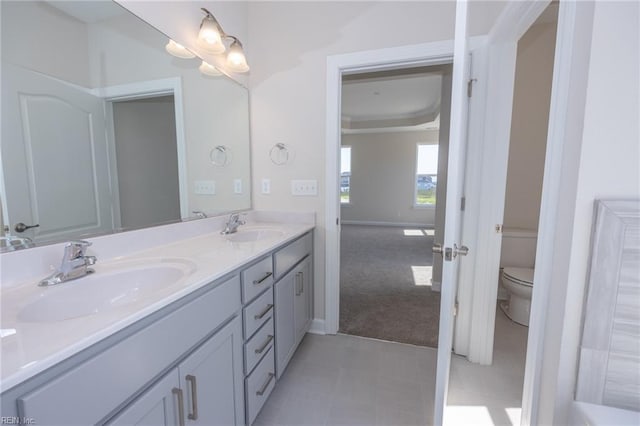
(453, 249)
(54, 157)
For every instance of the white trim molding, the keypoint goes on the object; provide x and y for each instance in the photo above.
(153, 88)
(425, 54)
(564, 143)
(317, 326)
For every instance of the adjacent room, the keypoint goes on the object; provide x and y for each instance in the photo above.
(392, 182)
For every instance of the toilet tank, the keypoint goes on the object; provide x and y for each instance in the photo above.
(518, 248)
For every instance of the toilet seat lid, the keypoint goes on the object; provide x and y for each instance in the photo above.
(520, 275)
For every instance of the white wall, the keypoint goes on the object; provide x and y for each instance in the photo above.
(383, 167)
(290, 42)
(529, 124)
(609, 167)
(52, 35)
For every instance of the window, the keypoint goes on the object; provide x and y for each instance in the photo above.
(426, 175)
(345, 174)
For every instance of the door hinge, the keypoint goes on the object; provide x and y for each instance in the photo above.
(337, 221)
(499, 228)
(463, 202)
(470, 87)
(455, 309)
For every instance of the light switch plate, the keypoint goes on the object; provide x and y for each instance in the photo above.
(237, 186)
(266, 186)
(205, 187)
(304, 187)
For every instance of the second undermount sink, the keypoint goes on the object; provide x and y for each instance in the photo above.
(111, 286)
(254, 234)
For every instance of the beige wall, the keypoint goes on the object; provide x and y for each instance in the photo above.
(529, 123)
(290, 42)
(383, 167)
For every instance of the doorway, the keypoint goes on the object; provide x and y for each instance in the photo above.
(145, 139)
(393, 158)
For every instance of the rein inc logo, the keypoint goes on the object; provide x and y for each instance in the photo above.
(14, 420)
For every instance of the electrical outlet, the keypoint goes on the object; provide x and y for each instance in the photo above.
(237, 186)
(304, 187)
(205, 187)
(266, 186)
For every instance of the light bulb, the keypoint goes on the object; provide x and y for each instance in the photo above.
(178, 50)
(210, 35)
(236, 60)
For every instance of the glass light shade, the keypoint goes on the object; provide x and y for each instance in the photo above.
(178, 50)
(208, 69)
(236, 61)
(209, 36)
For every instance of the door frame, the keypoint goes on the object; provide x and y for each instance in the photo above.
(478, 287)
(564, 132)
(424, 54)
(142, 90)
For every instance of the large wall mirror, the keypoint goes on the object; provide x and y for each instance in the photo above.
(103, 130)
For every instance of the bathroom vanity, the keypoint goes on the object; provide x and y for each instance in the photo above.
(207, 349)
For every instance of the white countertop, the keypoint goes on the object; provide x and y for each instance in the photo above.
(28, 348)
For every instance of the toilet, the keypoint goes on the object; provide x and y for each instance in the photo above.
(518, 282)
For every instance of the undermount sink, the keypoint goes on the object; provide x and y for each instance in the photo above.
(252, 235)
(111, 286)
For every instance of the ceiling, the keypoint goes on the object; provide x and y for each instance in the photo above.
(395, 100)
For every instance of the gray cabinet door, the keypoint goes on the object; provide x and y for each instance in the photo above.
(157, 406)
(212, 379)
(302, 300)
(285, 324)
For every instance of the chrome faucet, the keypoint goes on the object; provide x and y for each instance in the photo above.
(10, 242)
(74, 264)
(232, 225)
(199, 214)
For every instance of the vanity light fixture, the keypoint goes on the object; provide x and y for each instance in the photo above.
(212, 38)
(178, 50)
(208, 69)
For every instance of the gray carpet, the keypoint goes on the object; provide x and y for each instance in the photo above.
(385, 290)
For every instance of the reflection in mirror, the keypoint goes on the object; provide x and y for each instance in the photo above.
(103, 130)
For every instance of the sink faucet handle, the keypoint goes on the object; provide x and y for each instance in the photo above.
(75, 249)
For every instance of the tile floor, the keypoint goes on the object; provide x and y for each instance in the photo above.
(347, 380)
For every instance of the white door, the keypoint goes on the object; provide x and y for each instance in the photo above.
(452, 248)
(54, 157)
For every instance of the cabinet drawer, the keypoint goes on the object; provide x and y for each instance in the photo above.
(287, 257)
(259, 385)
(258, 345)
(256, 278)
(258, 312)
(126, 367)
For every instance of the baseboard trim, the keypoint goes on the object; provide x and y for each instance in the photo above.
(398, 224)
(317, 327)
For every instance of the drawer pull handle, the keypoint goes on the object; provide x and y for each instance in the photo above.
(178, 392)
(299, 283)
(261, 280)
(264, 312)
(194, 397)
(264, 345)
(266, 385)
